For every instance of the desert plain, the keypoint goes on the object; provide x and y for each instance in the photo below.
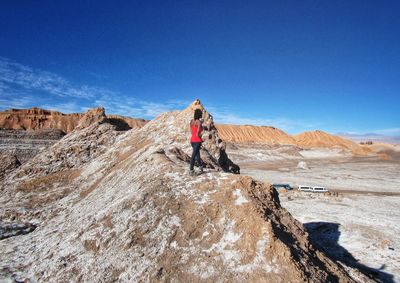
(357, 222)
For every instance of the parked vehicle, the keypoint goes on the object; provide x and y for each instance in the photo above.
(313, 189)
(320, 189)
(305, 188)
(284, 186)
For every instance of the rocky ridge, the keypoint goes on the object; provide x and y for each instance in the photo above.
(112, 206)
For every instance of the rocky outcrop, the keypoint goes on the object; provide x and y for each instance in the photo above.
(8, 163)
(213, 147)
(96, 115)
(133, 213)
(37, 119)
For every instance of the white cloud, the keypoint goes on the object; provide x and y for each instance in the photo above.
(132, 107)
(14, 74)
(17, 82)
(7, 102)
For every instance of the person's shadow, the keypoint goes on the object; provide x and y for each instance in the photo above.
(324, 236)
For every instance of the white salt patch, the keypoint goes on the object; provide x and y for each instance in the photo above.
(174, 176)
(240, 198)
(225, 245)
(204, 270)
(175, 221)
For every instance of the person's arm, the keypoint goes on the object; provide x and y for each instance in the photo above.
(199, 128)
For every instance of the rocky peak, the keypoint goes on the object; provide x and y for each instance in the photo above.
(96, 115)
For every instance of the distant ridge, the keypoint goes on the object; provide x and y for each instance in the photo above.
(37, 119)
(256, 134)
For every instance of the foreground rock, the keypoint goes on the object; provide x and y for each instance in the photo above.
(128, 210)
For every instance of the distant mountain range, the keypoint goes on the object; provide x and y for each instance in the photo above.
(35, 119)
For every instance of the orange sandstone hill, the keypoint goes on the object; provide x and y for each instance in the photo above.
(256, 134)
(274, 136)
(320, 139)
(37, 119)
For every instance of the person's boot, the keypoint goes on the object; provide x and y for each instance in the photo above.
(192, 173)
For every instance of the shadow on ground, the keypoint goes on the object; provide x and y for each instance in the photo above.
(325, 237)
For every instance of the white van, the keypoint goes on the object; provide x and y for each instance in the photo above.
(305, 188)
(313, 189)
(320, 189)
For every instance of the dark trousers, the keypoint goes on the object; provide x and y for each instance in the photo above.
(196, 155)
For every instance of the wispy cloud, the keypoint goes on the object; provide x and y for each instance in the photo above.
(18, 82)
(14, 74)
(16, 102)
(133, 107)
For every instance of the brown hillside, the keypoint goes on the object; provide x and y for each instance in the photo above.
(254, 134)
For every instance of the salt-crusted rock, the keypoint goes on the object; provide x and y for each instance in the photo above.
(129, 211)
(8, 163)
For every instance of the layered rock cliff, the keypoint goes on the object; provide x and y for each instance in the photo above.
(106, 205)
(37, 119)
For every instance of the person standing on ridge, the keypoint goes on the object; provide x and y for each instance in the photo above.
(196, 128)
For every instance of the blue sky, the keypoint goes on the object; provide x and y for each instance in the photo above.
(296, 65)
